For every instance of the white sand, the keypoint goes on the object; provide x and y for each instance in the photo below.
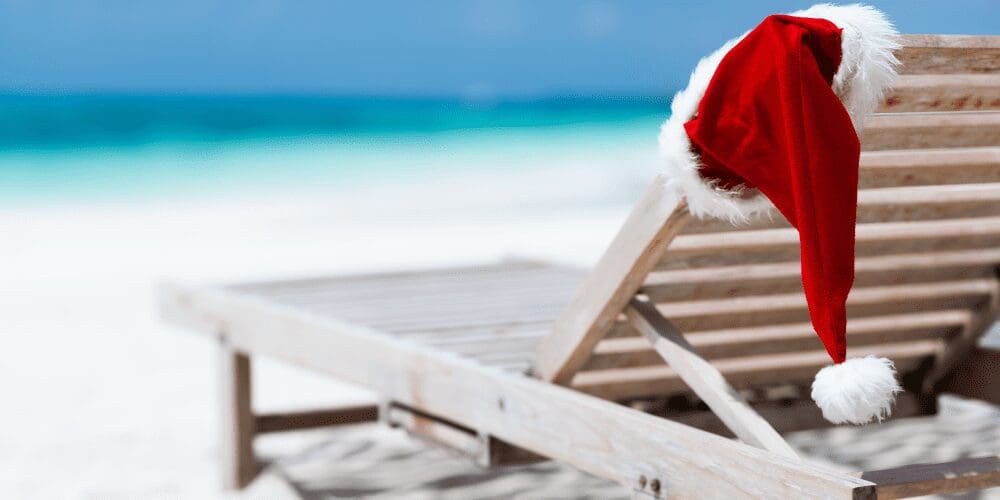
(105, 401)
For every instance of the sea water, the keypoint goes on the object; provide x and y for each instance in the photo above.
(85, 147)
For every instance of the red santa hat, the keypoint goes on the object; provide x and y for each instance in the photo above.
(771, 120)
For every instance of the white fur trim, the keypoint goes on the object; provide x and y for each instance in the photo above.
(868, 66)
(856, 391)
(867, 69)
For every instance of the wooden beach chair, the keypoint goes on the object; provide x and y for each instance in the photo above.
(684, 330)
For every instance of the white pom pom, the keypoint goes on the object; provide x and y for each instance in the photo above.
(857, 391)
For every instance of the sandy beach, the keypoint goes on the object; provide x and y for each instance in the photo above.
(104, 401)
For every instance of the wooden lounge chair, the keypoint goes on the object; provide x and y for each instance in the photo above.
(519, 361)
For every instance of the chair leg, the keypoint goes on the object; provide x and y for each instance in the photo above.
(236, 422)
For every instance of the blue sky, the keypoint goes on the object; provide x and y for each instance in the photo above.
(477, 48)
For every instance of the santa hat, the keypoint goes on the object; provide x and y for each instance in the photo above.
(771, 120)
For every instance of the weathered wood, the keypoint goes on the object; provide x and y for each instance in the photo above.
(378, 281)
(761, 310)
(774, 339)
(705, 380)
(786, 277)
(547, 419)
(934, 479)
(743, 372)
(789, 416)
(925, 167)
(977, 376)
(948, 54)
(780, 245)
(961, 92)
(499, 453)
(633, 253)
(483, 449)
(891, 204)
(930, 130)
(436, 284)
(497, 301)
(434, 429)
(236, 420)
(309, 419)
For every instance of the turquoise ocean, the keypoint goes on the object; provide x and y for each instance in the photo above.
(84, 147)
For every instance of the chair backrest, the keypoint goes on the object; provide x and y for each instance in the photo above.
(928, 250)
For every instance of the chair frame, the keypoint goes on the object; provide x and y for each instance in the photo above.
(500, 417)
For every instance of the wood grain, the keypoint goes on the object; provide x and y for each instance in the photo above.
(924, 167)
(236, 421)
(743, 372)
(705, 380)
(616, 277)
(934, 479)
(786, 277)
(877, 238)
(891, 204)
(626, 352)
(931, 130)
(310, 419)
(958, 92)
(949, 54)
(621, 444)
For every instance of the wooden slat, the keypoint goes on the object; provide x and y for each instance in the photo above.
(947, 54)
(452, 338)
(773, 339)
(935, 479)
(623, 330)
(786, 277)
(482, 314)
(714, 314)
(487, 301)
(634, 252)
(485, 450)
(310, 419)
(892, 204)
(924, 167)
(791, 416)
(545, 418)
(508, 289)
(931, 130)
(777, 245)
(517, 349)
(379, 281)
(961, 92)
(436, 284)
(490, 298)
(705, 380)
(751, 371)
(435, 430)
